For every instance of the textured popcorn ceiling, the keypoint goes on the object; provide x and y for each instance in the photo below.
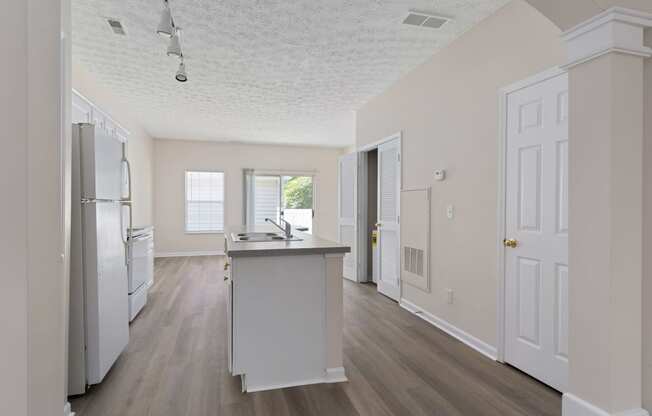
(272, 71)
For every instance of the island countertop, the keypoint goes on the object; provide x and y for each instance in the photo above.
(309, 244)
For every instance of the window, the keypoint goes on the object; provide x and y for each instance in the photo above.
(204, 202)
(280, 196)
(297, 196)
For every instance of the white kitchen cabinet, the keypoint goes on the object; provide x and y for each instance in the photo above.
(82, 110)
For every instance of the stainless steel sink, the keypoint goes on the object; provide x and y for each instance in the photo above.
(260, 237)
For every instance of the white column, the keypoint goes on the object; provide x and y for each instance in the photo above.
(606, 57)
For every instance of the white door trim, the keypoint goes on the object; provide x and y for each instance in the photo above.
(374, 145)
(356, 212)
(363, 212)
(363, 203)
(502, 192)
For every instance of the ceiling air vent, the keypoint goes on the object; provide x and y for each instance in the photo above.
(116, 26)
(425, 20)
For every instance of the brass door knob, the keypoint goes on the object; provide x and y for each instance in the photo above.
(510, 242)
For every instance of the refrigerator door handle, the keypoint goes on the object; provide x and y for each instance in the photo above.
(126, 162)
(126, 238)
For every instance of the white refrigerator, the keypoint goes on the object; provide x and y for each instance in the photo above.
(101, 216)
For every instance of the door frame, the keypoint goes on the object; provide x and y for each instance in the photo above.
(363, 206)
(356, 210)
(502, 194)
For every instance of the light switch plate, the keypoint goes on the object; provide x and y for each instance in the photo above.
(450, 212)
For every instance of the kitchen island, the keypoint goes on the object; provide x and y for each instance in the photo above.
(284, 308)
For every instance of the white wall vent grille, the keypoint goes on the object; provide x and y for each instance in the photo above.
(415, 238)
(413, 260)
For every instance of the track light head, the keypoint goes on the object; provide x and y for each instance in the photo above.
(181, 75)
(166, 25)
(174, 47)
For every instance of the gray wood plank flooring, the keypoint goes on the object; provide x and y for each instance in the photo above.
(397, 364)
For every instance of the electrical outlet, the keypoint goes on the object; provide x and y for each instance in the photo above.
(449, 296)
(450, 212)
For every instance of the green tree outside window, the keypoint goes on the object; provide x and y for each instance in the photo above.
(297, 192)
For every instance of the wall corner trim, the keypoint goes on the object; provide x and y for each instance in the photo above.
(572, 405)
(616, 30)
(477, 344)
(188, 253)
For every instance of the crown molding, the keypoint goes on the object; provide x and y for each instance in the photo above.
(616, 30)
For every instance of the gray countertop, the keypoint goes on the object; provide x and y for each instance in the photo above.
(310, 244)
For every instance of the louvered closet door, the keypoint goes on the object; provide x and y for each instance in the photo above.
(389, 185)
(348, 173)
(536, 269)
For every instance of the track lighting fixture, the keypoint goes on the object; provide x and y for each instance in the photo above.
(166, 25)
(181, 72)
(174, 47)
(167, 28)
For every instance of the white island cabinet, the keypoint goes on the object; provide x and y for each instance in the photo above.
(284, 309)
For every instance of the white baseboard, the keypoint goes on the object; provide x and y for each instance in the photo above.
(67, 410)
(473, 342)
(572, 405)
(188, 253)
(335, 375)
(332, 375)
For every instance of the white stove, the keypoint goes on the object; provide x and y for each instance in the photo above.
(141, 267)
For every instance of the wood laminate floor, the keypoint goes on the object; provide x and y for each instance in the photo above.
(397, 364)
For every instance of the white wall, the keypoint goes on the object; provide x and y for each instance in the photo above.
(647, 234)
(140, 147)
(33, 283)
(174, 157)
(447, 110)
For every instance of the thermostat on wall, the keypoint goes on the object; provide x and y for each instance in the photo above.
(440, 174)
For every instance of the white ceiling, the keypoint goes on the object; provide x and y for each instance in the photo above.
(271, 71)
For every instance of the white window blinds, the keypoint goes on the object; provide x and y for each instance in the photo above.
(204, 202)
(267, 198)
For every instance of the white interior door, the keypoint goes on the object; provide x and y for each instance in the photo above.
(389, 191)
(536, 269)
(347, 227)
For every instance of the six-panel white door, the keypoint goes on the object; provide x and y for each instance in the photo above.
(389, 191)
(536, 270)
(347, 211)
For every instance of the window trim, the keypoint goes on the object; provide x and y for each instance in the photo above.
(185, 201)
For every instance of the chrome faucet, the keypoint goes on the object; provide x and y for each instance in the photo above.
(287, 229)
